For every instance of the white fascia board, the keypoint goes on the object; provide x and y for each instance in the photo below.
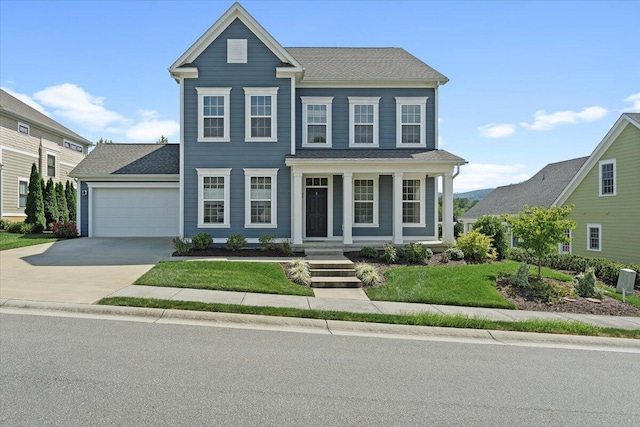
(91, 184)
(421, 84)
(184, 73)
(129, 178)
(236, 11)
(382, 168)
(30, 122)
(594, 158)
(359, 161)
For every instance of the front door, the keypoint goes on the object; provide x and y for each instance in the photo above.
(316, 212)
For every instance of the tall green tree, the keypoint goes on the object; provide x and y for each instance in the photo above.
(51, 213)
(491, 226)
(541, 230)
(70, 193)
(162, 140)
(63, 208)
(104, 141)
(35, 202)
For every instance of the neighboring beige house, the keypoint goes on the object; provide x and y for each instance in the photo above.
(27, 136)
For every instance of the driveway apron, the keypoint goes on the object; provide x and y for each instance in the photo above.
(79, 270)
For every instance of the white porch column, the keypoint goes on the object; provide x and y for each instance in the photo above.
(447, 207)
(347, 208)
(297, 208)
(397, 208)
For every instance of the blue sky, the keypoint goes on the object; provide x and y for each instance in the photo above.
(531, 82)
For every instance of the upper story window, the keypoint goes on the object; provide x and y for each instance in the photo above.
(23, 191)
(213, 114)
(51, 165)
(236, 51)
(316, 121)
(213, 198)
(24, 128)
(363, 121)
(261, 119)
(413, 208)
(594, 237)
(72, 146)
(608, 177)
(411, 121)
(261, 198)
(365, 202)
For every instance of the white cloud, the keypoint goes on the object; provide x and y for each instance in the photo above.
(150, 128)
(74, 103)
(543, 121)
(475, 176)
(27, 100)
(494, 130)
(635, 101)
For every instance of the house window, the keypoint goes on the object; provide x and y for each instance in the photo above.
(365, 212)
(51, 165)
(317, 182)
(411, 121)
(23, 191)
(261, 114)
(565, 248)
(23, 128)
(316, 119)
(213, 114)
(260, 198)
(594, 237)
(608, 177)
(363, 121)
(412, 206)
(236, 51)
(72, 146)
(514, 241)
(213, 198)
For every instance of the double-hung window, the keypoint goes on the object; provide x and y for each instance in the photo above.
(608, 177)
(365, 202)
(23, 191)
(213, 114)
(261, 198)
(411, 121)
(565, 248)
(413, 208)
(594, 237)
(261, 119)
(316, 121)
(363, 121)
(51, 165)
(213, 198)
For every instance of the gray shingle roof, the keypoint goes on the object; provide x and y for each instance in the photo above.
(130, 159)
(542, 189)
(399, 154)
(634, 116)
(13, 105)
(336, 64)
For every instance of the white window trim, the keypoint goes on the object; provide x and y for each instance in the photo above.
(422, 102)
(226, 174)
(560, 245)
(46, 164)
(20, 180)
(261, 91)
(211, 91)
(599, 227)
(73, 144)
(20, 124)
(376, 199)
(615, 180)
(250, 173)
(242, 44)
(363, 100)
(316, 100)
(423, 197)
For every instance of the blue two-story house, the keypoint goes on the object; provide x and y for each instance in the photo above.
(335, 145)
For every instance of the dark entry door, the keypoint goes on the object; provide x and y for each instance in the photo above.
(316, 212)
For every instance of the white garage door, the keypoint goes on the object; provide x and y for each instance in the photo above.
(135, 212)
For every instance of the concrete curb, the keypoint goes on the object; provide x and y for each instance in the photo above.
(333, 327)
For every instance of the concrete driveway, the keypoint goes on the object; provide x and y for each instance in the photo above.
(79, 270)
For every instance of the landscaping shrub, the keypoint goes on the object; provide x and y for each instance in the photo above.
(445, 258)
(454, 254)
(369, 252)
(521, 278)
(267, 242)
(26, 228)
(50, 198)
(390, 255)
(367, 274)
(35, 202)
(64, 229)
(235, 242)
(551, 292)
(299, 272)
(286, 248)
(585, 283)
(181, 246)
(202, 241)
(417, 253)
(15, 227)
(491, 226)
(4, 224)
(476, 247)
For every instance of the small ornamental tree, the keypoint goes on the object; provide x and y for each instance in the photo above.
(35, 204)
(70, 193)
(50, 203)
(63, 209)
(541, 230)
(491, 226)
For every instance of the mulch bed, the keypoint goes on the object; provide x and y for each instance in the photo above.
(244, 253)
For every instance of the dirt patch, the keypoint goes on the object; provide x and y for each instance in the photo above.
(244, 253)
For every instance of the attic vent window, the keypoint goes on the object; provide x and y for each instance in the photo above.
(237, 51)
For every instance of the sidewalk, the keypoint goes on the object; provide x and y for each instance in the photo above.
(360, 305)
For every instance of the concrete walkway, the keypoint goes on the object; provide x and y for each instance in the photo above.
(358, 305)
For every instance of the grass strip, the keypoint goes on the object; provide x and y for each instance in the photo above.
(424, 319)
(611, 293)
(13, 240)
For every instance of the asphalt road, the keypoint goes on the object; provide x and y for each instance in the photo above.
(68, 371)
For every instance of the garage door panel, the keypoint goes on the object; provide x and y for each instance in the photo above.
(135, 212)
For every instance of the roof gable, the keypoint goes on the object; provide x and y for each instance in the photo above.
(236, 11)
(625, 119)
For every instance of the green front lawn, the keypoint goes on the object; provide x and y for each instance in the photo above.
(465, 285)
(15, 240)
(261, 277)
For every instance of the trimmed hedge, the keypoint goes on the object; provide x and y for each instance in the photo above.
(605, 270)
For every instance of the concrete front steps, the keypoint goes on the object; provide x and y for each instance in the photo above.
(332, 271)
